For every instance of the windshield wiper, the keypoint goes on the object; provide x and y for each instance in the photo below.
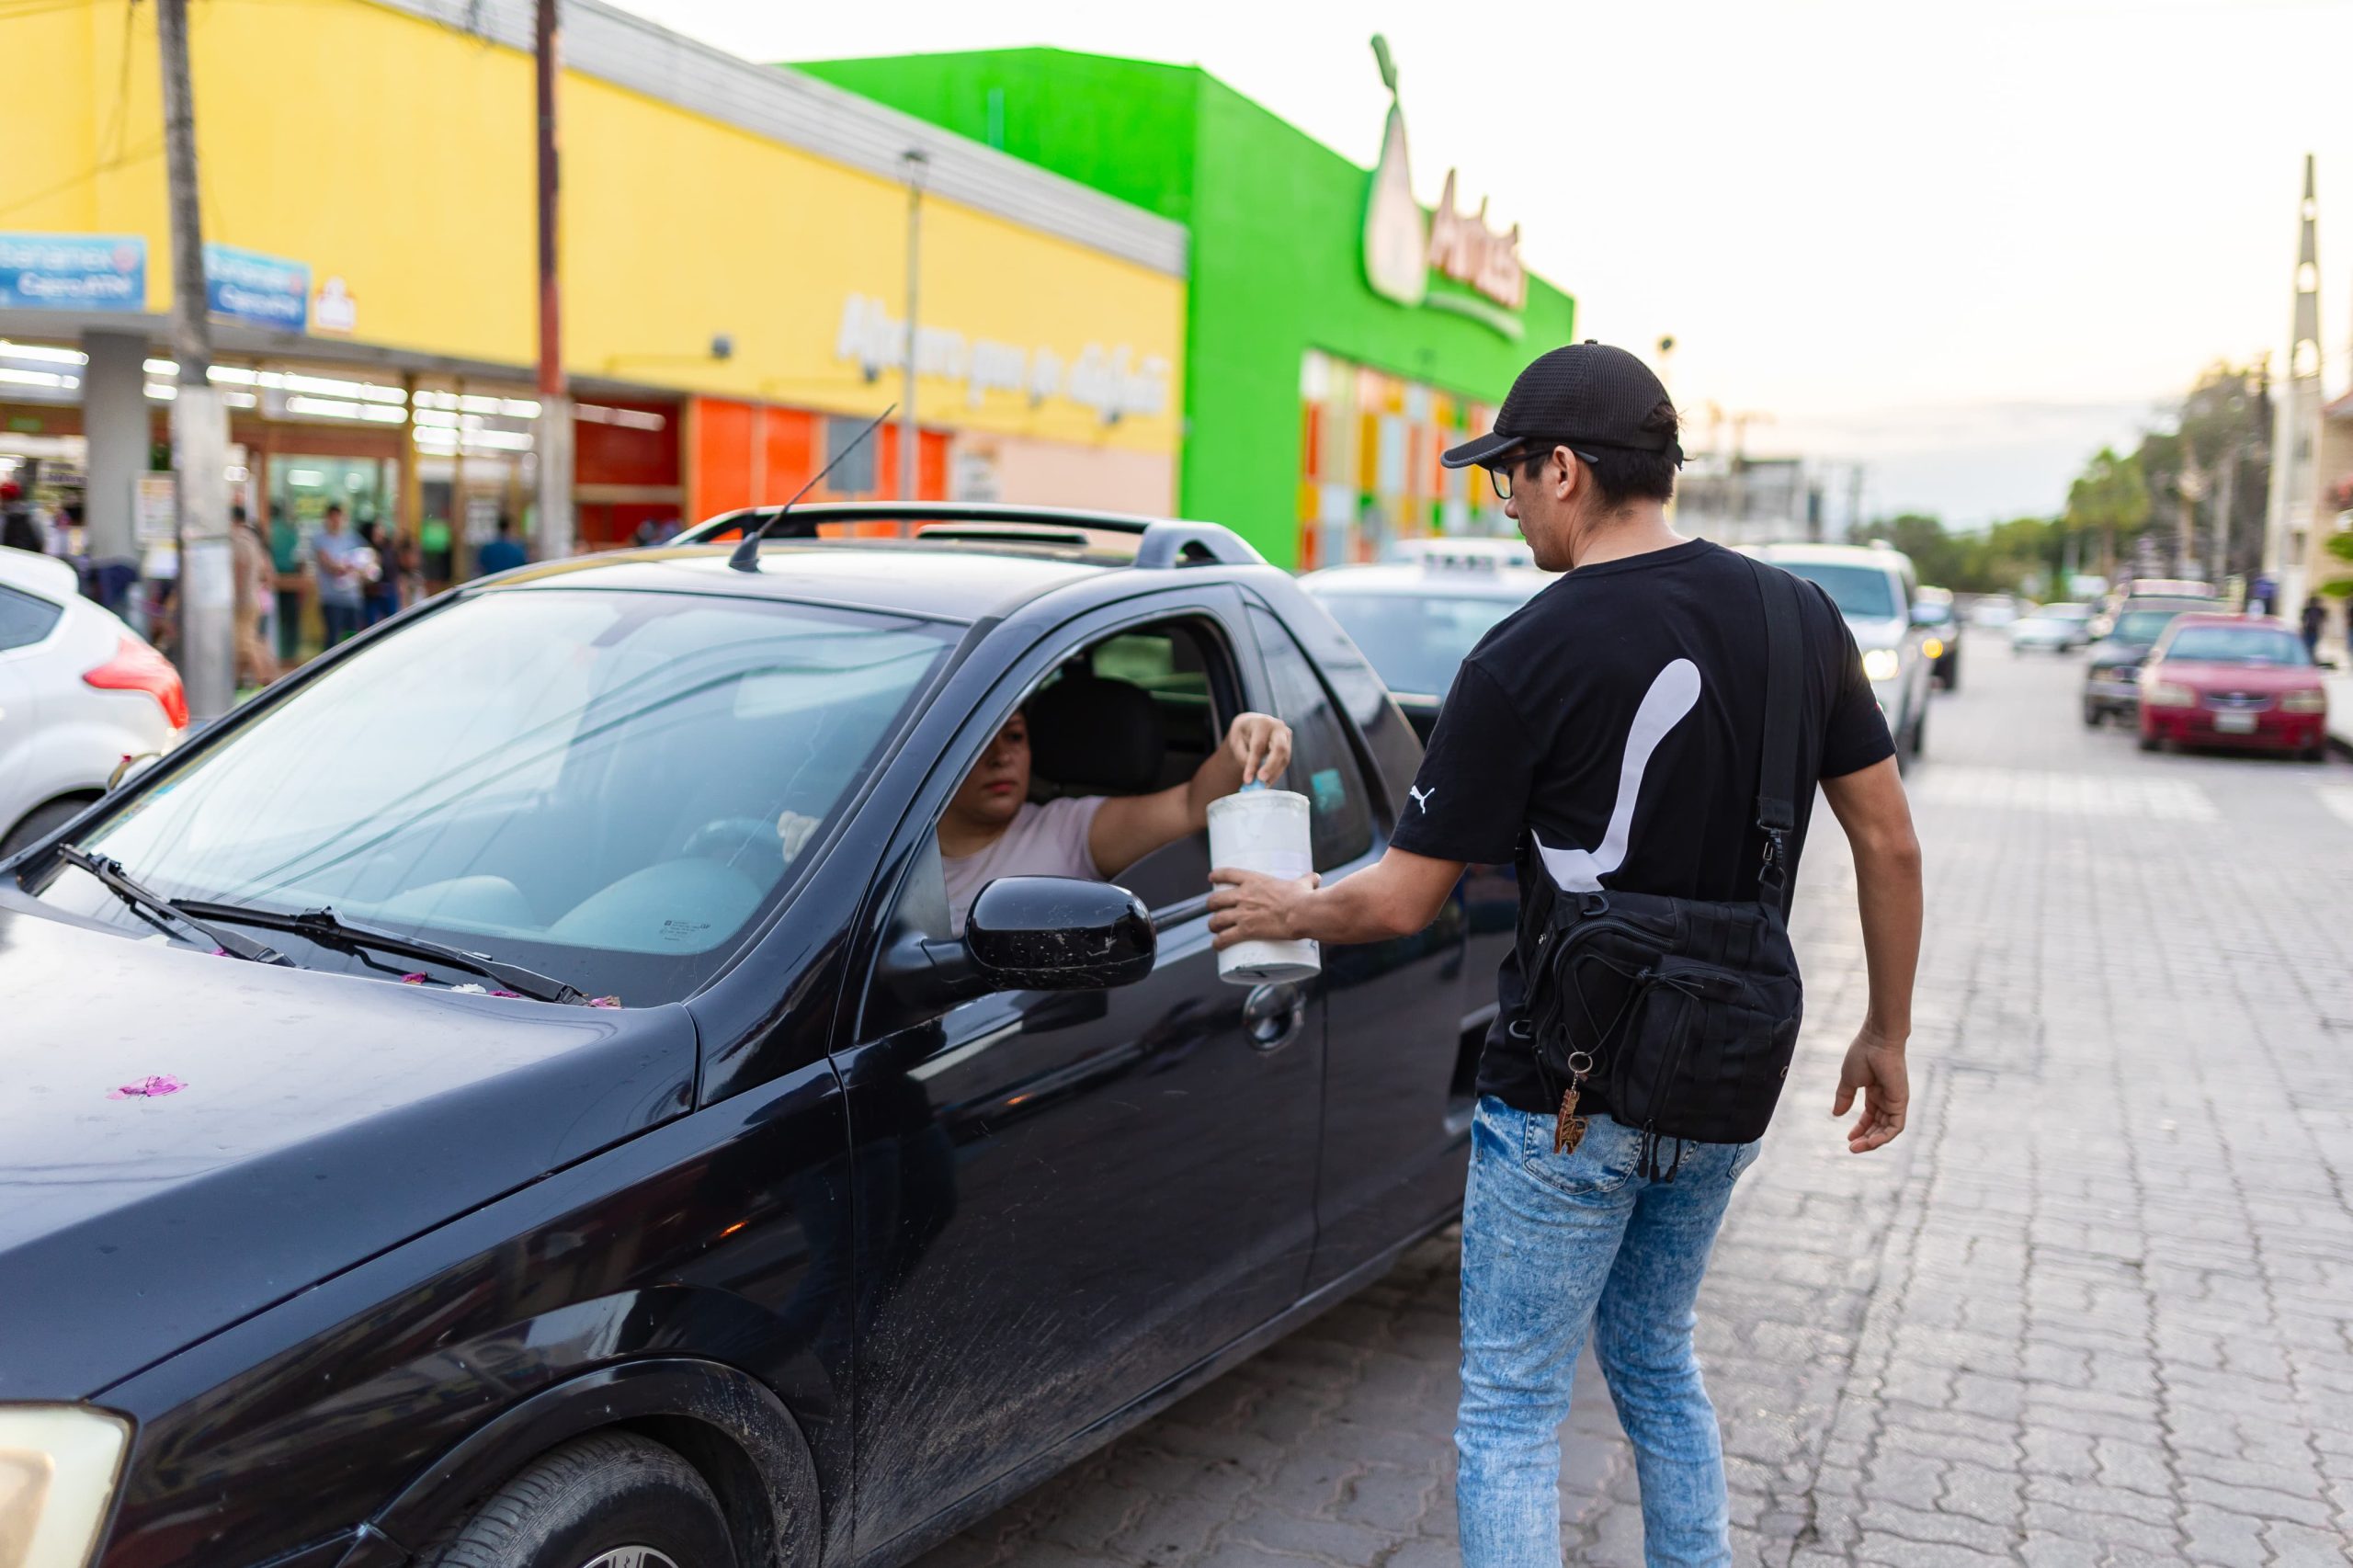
(111, 876)
(331, 930)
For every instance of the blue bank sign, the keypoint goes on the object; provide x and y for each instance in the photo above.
(261, 291)
(73, 272)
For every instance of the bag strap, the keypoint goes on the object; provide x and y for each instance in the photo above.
(1777, 780)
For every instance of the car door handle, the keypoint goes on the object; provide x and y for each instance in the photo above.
(1272, 1015)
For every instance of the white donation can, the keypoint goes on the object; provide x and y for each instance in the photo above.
(1263, 830)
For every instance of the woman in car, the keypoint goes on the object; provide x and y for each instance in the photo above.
(993, 829)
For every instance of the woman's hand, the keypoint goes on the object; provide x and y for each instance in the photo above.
(1261, 745)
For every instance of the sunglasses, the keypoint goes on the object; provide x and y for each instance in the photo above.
(1501, 470)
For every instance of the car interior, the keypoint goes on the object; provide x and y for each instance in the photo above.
(1130, 715)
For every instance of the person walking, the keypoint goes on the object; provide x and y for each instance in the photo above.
(286, 559)
(2315, 621)
(336, 564)
(1643, 740)
(18, 528)
(382, 601)
(501, 554)
(253, 581)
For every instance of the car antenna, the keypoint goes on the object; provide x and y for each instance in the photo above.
(747, 554)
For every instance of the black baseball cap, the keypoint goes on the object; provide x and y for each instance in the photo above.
(1584, 394)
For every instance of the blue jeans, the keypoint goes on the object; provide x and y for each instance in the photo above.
(342, 621)
(1553, 1246)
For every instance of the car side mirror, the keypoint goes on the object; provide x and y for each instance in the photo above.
(1028, 934)
(1058, 934)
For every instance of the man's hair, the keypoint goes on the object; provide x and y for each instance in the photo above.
(237, 512)
(335, 510)
(505, 524)
(1626, 476)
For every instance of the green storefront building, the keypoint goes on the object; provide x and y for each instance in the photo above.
(1338, 335)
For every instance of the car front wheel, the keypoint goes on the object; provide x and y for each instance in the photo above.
(609, 1501)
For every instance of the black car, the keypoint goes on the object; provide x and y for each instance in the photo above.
(510, 1093)
(2112, 669)
(1934, 611)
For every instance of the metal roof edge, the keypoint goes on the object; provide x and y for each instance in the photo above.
(783, 106)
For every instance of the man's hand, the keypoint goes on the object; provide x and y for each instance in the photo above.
(1251, 907)
(1260, 746)
(1875, 1065)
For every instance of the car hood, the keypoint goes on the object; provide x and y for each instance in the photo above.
(2111, 651)
(1870, 634)
(323, 1119)
(2269, 679)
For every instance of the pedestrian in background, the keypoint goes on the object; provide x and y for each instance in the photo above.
(335, 565)
(2315, 622)
(502, 554)
(286, 559)
(1616, 738)
(383, 596)
(253, 581)
(18, 528)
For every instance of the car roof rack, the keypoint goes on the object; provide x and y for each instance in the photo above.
(1160, 542)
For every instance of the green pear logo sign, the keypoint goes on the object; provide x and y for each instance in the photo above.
(1396, 241)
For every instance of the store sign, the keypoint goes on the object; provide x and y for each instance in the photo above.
(334, 310)
(260, 291)
(1112, 383)
(73, 272)
(1401, 248)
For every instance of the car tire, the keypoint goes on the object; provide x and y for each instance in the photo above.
(2151, 742)
(1919, 732)
(39, 823)
(2094, 716)
(2315, 753)
(597, 1501)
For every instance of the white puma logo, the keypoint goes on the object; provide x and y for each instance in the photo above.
(1673, 694)
(1422, 797)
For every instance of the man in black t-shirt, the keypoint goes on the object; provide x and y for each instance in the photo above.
(1607, 736)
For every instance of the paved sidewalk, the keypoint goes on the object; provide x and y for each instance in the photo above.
(2095, 1308)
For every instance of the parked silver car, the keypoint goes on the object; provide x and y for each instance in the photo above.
(1875, 588)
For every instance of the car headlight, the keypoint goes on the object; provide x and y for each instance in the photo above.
(58, 1465)
(1880, 664)
(2313, 701)
(1934, 647)
(2167, 694)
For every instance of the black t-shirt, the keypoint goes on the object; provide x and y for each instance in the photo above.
(1606, 734)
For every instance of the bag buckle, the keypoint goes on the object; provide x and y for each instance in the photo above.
(1591, 903)
(1775, 871)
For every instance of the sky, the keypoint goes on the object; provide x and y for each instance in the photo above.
(1963, 246)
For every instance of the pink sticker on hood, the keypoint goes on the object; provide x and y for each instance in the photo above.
(148, 1088)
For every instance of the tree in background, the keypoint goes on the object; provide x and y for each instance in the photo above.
(2023, 555)
(2209, 476)
(2109, 501)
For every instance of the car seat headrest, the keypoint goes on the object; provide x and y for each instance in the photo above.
(1092, 733)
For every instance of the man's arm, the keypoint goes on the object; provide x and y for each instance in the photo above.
(1878, 819)
(1397, 896)
(1129, 827)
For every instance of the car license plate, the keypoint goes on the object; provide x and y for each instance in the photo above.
(2234, 723)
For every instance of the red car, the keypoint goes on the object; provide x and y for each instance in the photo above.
(2241, 681)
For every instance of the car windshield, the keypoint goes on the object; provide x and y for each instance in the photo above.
(1932, 612)
(2236, 645)
(2064, 612)
(1861, 593)
(605, 786)
(2144, 625)
(1416, 641)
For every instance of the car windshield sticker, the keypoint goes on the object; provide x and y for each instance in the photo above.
(1331, 795)
(1675, 693)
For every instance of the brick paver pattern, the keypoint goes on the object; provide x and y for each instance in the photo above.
(2095, 1306)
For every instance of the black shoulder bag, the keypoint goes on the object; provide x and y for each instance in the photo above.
(1684, 1012)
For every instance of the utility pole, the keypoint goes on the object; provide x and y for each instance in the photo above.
(553, 440)
(909, 438)
(199, 416)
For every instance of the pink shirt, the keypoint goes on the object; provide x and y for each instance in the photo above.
(1047, 840)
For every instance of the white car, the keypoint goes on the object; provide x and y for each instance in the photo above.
(1416, 615)
(79, 692)
(1875, 588)
(2053, 628)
